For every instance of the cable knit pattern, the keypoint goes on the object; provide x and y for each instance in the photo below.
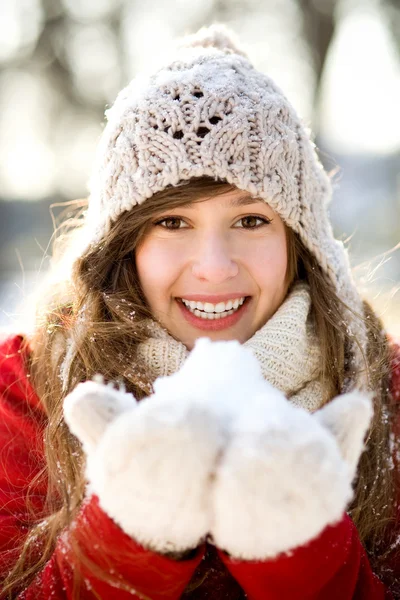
(286, 348)
(209, 112)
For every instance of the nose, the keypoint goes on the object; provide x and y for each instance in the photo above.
(213, 260)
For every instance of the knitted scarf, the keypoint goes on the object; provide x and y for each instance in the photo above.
(286, 348)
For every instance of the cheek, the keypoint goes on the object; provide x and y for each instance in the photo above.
(157, 268)
(270, 264)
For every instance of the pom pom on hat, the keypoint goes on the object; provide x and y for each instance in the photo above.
(216, 36)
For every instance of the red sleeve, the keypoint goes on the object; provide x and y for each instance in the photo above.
(333, 565)
(151, 575)
(93, 533)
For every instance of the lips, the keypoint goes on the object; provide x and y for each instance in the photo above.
(214, 324)
(211, 310)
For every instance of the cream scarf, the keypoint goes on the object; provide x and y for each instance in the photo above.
(286, 348)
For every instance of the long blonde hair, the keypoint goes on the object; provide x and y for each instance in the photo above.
(102, 307)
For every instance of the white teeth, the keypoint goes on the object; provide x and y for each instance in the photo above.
(207, 310)
(208, 307)
(220, 307)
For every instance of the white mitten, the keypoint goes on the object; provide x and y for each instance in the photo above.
(286, 474)
(150, 463)
(217, 449)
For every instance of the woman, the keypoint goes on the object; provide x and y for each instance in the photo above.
(207, 218)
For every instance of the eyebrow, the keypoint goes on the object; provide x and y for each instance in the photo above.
(245, 200)
(238, 201)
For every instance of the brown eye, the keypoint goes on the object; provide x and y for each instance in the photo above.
(253, 222)
(250, 222)
(170, 222)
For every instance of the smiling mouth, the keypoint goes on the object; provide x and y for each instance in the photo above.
(210, 312)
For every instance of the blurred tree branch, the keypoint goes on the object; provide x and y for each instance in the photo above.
(318, 30)
(392, 9)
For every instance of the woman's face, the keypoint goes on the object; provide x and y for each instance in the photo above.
(215, 268)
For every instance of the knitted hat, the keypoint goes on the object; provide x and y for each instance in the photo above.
(210, 112)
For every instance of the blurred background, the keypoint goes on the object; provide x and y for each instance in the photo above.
(62, 63)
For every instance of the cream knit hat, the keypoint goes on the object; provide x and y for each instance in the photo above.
(210, 112)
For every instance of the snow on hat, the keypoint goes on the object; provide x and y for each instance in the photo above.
(209, 112)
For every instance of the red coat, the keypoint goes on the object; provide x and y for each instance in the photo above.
(333, 566)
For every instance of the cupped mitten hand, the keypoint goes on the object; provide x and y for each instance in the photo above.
(150, 462)
(285, 473)
(217, 450)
